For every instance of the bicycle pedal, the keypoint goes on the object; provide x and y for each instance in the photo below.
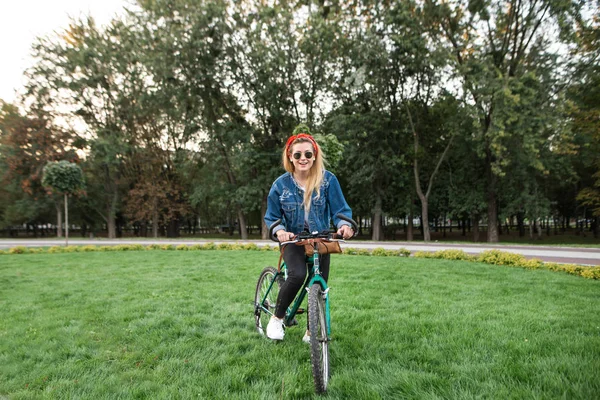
(300, 311)
(292, 322)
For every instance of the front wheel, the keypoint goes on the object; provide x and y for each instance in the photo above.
(265, 298)
(319, 341)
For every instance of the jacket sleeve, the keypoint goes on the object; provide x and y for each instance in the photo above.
(274, 209)
(337, 203)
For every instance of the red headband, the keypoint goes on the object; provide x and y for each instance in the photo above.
(301, 136)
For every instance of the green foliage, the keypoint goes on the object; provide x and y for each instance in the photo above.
(225, 246)
(301, 128)
(18, 250)
(498, 257)
(187, 106)
(88, 248)
(106, 248)
(250, 246)
(128, 247)
(63, 176)
(379, 251)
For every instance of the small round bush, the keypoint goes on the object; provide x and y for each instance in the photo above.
(18, 250)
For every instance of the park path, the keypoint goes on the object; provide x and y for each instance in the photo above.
(570, 255)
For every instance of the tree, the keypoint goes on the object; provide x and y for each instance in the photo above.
(27, 143)
(585, 113)
(498, 52)
(66, 178)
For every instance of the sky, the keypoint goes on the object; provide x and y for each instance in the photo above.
(21, 21)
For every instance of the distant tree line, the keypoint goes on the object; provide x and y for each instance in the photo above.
(432, 110)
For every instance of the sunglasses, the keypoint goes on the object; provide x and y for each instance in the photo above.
(307, 154)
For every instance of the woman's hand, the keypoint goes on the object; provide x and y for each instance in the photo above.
(284, 236)
(346, 231)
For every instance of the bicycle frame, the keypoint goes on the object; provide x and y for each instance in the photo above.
(314, 276)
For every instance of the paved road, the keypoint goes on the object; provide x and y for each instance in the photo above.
(571, 255)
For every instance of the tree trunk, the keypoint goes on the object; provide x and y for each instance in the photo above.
(112, 216)
(521, 223)
(242, 222)
(444, 226)
(155, 217)
(530, 228)
(425, 218)
(66, 220)
(492, 214)
(475, 219)
(59, 221)
(143, 229)
(492, 202)
(409, 228)
(264, 232)
(376, 229)
(173, 228)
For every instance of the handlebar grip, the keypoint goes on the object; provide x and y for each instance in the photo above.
(271, 234)
(351, 221)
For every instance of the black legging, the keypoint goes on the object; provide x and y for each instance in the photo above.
(295, 259)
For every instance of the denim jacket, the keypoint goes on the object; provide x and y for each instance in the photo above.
(285, 202)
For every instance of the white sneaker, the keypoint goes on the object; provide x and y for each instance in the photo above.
(306, 338)
(275, 329)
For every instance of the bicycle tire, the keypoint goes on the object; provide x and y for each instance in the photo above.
(319, 341)
(261, 317)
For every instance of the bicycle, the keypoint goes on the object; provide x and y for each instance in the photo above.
(319, 321)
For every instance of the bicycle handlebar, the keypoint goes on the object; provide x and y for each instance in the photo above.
(314, 235)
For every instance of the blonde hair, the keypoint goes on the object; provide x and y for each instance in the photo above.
(315, 174)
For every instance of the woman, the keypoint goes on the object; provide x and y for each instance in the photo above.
(305, 198)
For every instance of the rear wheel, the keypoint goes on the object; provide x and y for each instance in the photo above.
(265, 299)
(319, 341)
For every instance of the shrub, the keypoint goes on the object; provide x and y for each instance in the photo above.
(224, 246)
(498, 257)
(249, 246)
(71, 249)
(209, 246)
(363, 252)
(88, 248)
(3, 252)
(167, 247)
(403, 252)
(128, 247)
(424, 254)
(379, 251)
(534, 263)
(36, 250)
(18, 250)
(154, 246)
(55, 249)
(454, 255)
(106, 248)
(183, 247)
(591, 273)
(351, 251)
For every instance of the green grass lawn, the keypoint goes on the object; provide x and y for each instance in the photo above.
(179, 324)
